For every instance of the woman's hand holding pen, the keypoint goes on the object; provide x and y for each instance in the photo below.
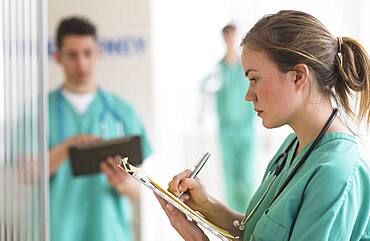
(198, 199)
(190, 190)
(195, 195)
(188, 230)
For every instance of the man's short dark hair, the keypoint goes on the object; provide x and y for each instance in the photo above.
(74, 26)
(228, 28)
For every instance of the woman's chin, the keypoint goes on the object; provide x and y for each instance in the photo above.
(269, 124)
(266, 125)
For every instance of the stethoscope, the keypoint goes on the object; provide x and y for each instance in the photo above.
(102, 120)
(283, 156)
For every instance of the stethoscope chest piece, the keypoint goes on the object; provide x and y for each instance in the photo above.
(239, 225)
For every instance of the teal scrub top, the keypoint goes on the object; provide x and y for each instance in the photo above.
(232, 109)
(236, 134)
(327, 199)
(86, 207)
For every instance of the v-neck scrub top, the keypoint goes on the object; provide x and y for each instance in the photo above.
(87, 208)
(327, 199)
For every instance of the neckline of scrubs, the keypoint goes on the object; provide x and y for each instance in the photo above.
(328, 136)
(265, 205)
(80, 118)
(88, 109)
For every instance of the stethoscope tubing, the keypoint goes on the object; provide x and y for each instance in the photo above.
(107, 109)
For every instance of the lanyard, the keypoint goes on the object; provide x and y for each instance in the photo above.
(103, 125)
(279, 168)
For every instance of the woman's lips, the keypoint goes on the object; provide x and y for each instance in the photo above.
(259, 112)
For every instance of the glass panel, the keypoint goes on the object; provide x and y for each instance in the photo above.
(23, 159)
(2, 122)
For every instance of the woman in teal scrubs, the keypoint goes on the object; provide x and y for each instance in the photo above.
(317, 186)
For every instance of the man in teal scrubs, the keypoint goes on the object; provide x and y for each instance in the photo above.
(236, 124)
(92, 207)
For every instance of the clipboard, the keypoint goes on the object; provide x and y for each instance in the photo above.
(85, 159)
(196, 216)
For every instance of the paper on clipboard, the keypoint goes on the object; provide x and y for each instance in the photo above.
(177, 203)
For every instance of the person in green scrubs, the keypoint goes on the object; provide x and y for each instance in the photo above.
(317, 186)
(90, 207)
(236, 124)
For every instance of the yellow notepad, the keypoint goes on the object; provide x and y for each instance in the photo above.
(177, 203)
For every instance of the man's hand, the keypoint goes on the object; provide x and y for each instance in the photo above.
(120, 180)
(59, 153)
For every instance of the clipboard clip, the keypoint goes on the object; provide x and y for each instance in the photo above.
(123, 163)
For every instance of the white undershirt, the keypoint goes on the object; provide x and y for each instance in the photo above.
(80, 102)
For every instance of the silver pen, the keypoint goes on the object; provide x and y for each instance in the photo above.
(198, 167)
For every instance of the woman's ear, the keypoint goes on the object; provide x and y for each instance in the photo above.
(302, 73)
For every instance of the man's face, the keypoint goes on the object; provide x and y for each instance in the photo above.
(78, 56)
(229, 38)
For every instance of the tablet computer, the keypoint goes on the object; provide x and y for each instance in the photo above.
(85, 159)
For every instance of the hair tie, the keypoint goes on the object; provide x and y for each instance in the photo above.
(340, 56)
(340, 59)
(340, 42)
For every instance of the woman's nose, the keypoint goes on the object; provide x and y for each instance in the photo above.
(250, 95)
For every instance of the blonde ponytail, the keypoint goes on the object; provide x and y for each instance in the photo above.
(354, 78)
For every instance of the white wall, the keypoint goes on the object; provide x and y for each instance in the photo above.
(186, 44)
